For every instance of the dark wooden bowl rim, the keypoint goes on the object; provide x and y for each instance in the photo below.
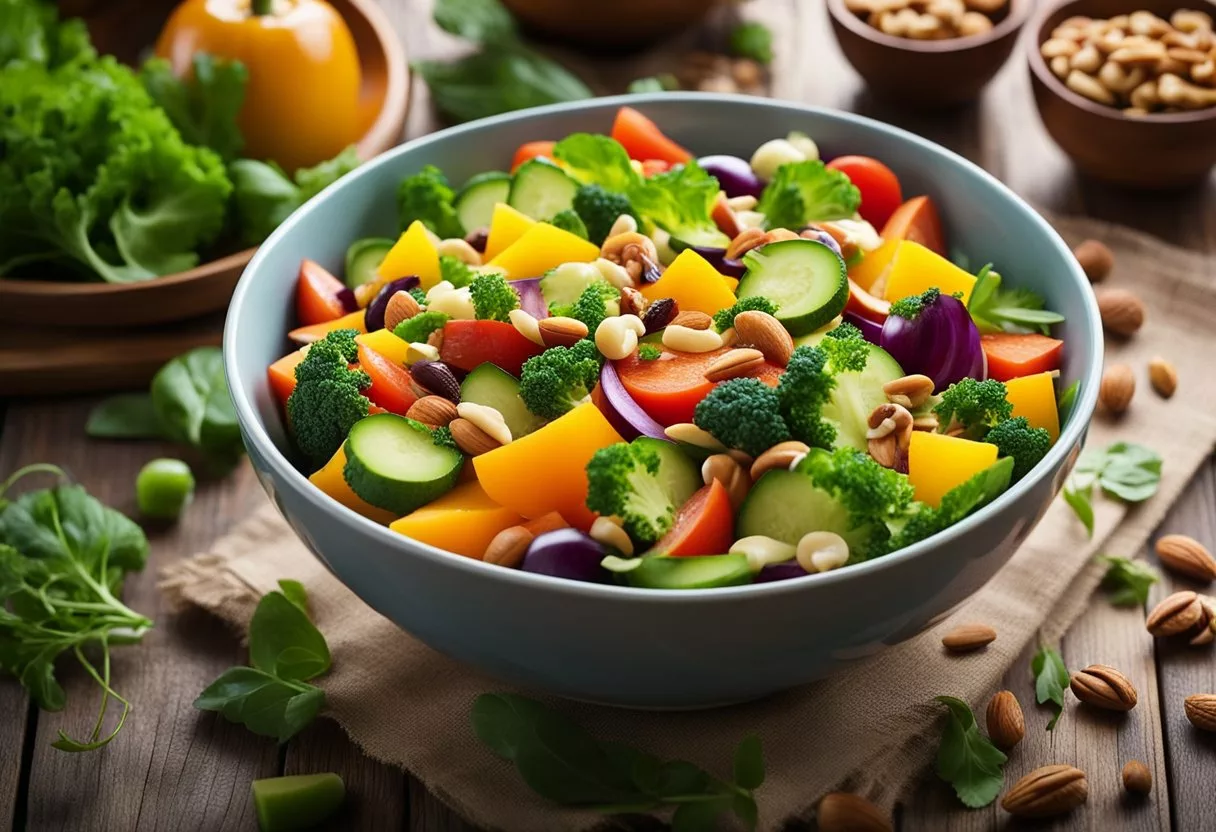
(1019, 11)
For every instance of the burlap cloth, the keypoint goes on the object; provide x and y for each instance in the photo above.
(872, 729)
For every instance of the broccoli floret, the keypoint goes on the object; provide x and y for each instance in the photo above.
(724, 319)
(845, 348)
(328, 398)
(568, 220)
(417, 329)
(743, 413)
(976, 406)
(456, 271)
(553, 382)
(596, 302)
(649, 352)
(599, 209)
(804, 192)
(427, 196)
(442, 436)
(921, 521)
(752, 40)
(871, 494)
(623, 480)
(493, 298)
(804, 389)
(911, 306)
(418, 294)
(1016, 438)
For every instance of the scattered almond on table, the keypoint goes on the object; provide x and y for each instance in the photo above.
(844, 812)
(1103, 687)
(1201, 711)
(1006, 723)
(929, 19)
(1096, 259)
(1047, 791)
(1122, 312)
(968, 637)
(1117, 388)
(1137, 779)
(1163, 376)
(1139, 63)
(1184, 555)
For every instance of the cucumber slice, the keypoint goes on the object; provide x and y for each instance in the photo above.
(392, 463)
(855, 395)
(476, 200)
(541, 189)
(785, 505)
(496, 388)
(678, 476)
(363, 258)
(806, 279)
(697, 572)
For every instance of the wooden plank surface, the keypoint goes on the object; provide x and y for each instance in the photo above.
(178, 769)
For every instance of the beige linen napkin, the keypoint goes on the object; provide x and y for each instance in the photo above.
(407, 705)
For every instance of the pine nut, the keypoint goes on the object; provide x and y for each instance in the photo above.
(610, 533)
(760, 551)
(416, 352)
(617, 337)
(742, 203)
(1088, 86)
(1086, 60)
(526, 326)
(684, 339)
(822, 551)
(459, 249)
(486, 418)
(625, 224)
(690, 434)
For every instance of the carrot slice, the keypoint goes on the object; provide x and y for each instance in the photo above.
(643, 139)
(317, 298)
(532, 150)
(704, 525)
(390, 381)
(282, 375)
(724, 217)
(670, 386)
(917, 220)
(1013, 355)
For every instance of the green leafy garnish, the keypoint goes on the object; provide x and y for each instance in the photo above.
(1127, 581)
(595, 159)
(754, 40)
(1007, 310)
(681, 201)
(1124, 471)
(203, 107)
(649, 352)
(655, 83)
(1067, 400)
(803, 192)
(273, 698)
(968, 760)
(1050, 680)
(63, 559)
(427, 196)
(32, 31)
(562, 763)
(264, 195)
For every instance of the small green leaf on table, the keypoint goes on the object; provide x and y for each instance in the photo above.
(1127, 581)
(967, 759)
(1050, 680)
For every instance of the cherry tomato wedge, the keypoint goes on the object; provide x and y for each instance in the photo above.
(390, 381)
(643, 139)
(704, 525)
(671, 386)
(917, 220)
(532, 150)
(879, 186)
(468, 344)
(317, 291)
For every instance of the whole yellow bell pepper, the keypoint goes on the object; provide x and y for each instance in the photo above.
(302, 100)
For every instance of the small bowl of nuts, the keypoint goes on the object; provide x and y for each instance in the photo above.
(1128, 88)
(927, 53)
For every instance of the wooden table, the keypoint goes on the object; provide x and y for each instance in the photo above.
(175, 768)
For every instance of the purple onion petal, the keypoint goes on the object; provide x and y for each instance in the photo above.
(624, 414)
(780, 572)
(566, 553)
(734, 175)
(870, 330)
(530, 298)
(941, 343)
(349, 302)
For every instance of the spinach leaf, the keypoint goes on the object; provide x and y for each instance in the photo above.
(125, 416)
(1123, 470)
(968, 760)
(263, 195)
(1127, 581)
(498, 80)
(284, 642)
(481, 21)
(192, 403)
(1050, 680)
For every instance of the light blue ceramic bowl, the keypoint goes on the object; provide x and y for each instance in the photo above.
(644, 647)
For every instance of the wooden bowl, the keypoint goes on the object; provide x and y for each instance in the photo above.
(175, 297)
(927, 74)
(1155, 152)
(607, 27)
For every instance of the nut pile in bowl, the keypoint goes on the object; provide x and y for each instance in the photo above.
(1138, 62)
(929, 19)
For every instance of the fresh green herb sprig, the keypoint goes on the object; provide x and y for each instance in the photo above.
(665, 82)
(1127, 581)
(1068, 400)
(1050, 680)
(273, 698)
(994, 309)
(63, 559)
(1123, 470)
(968, 760)
(561, 762)
(752, 39)
(649, 352)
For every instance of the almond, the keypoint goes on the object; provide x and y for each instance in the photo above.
(968, 637)
(1103, 687)
(1047, 791)
(844, 812)
(1096, 260)
(1175, 615)
(1163, 376)
(1207, 624)
(561, 331)
(401, 307)
(471, 439)
(1006, 724)
(1121, 311)
(735, 364)
(508, 546)
(764, 332)
(692, 320)
(1201, 711)
(435, 411)
(1117, 388)
(1186, 556)
(1137, 779)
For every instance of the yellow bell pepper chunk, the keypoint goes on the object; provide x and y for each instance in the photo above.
(506, 226)
(413, 253)
(330, 480)
(869, 269)
(916, 269)
(937, 463)
(543, 247)
(693, 284)
(546, 470)
(1035, 398)
(463, 521)
(383, 342)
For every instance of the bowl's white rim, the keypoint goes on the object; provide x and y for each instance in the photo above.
(248, 416)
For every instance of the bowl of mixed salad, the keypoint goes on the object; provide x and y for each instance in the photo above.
(664, 400)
